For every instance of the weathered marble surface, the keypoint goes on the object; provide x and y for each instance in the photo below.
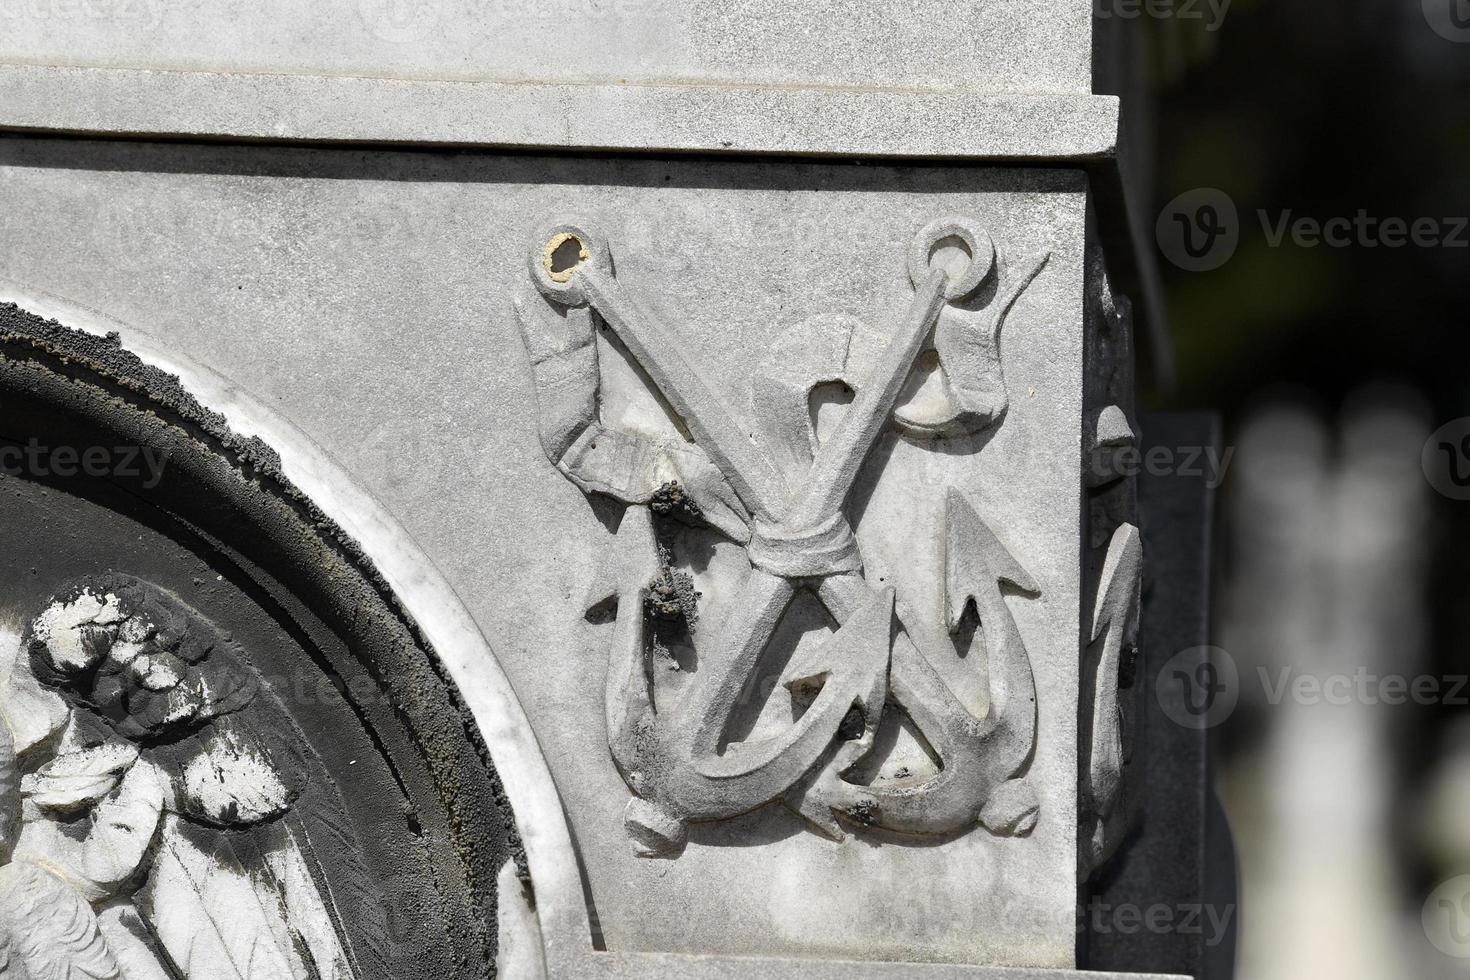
(368, 299)
(358, 309)
(1010, 46)
(942, 123)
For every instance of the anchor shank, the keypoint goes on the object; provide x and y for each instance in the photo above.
(746, 629)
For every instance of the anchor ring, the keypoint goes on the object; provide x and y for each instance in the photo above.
(974, 240)
(561, 250)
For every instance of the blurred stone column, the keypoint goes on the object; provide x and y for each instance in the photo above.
(1323, 616)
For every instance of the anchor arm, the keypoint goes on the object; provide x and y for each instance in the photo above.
(976, 564)
(747, 627)
(945, 725)
(706, 784)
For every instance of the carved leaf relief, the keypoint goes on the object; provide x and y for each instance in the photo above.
(148, 824)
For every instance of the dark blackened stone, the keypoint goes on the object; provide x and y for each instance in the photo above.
(1128, 667)
(852, 725)
(670, 500)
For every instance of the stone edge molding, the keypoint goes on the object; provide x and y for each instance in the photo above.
(700, 118)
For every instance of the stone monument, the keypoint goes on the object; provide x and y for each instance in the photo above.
(638, 489)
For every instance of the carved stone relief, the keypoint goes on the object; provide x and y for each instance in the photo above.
(783, 494)
(151, 756)
(764, 485)
(1115, 559)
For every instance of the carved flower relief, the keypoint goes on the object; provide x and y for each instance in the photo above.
(123, 750)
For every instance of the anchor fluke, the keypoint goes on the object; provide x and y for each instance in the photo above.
(631, 563)
(975, 560)
(856, 654)
(1117, 614)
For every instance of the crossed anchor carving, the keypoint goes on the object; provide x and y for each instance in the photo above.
(796, 534)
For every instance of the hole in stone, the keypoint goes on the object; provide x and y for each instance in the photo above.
(563, 254)
(951, 254)
(566, 255)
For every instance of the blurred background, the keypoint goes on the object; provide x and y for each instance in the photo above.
(1340, 365)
